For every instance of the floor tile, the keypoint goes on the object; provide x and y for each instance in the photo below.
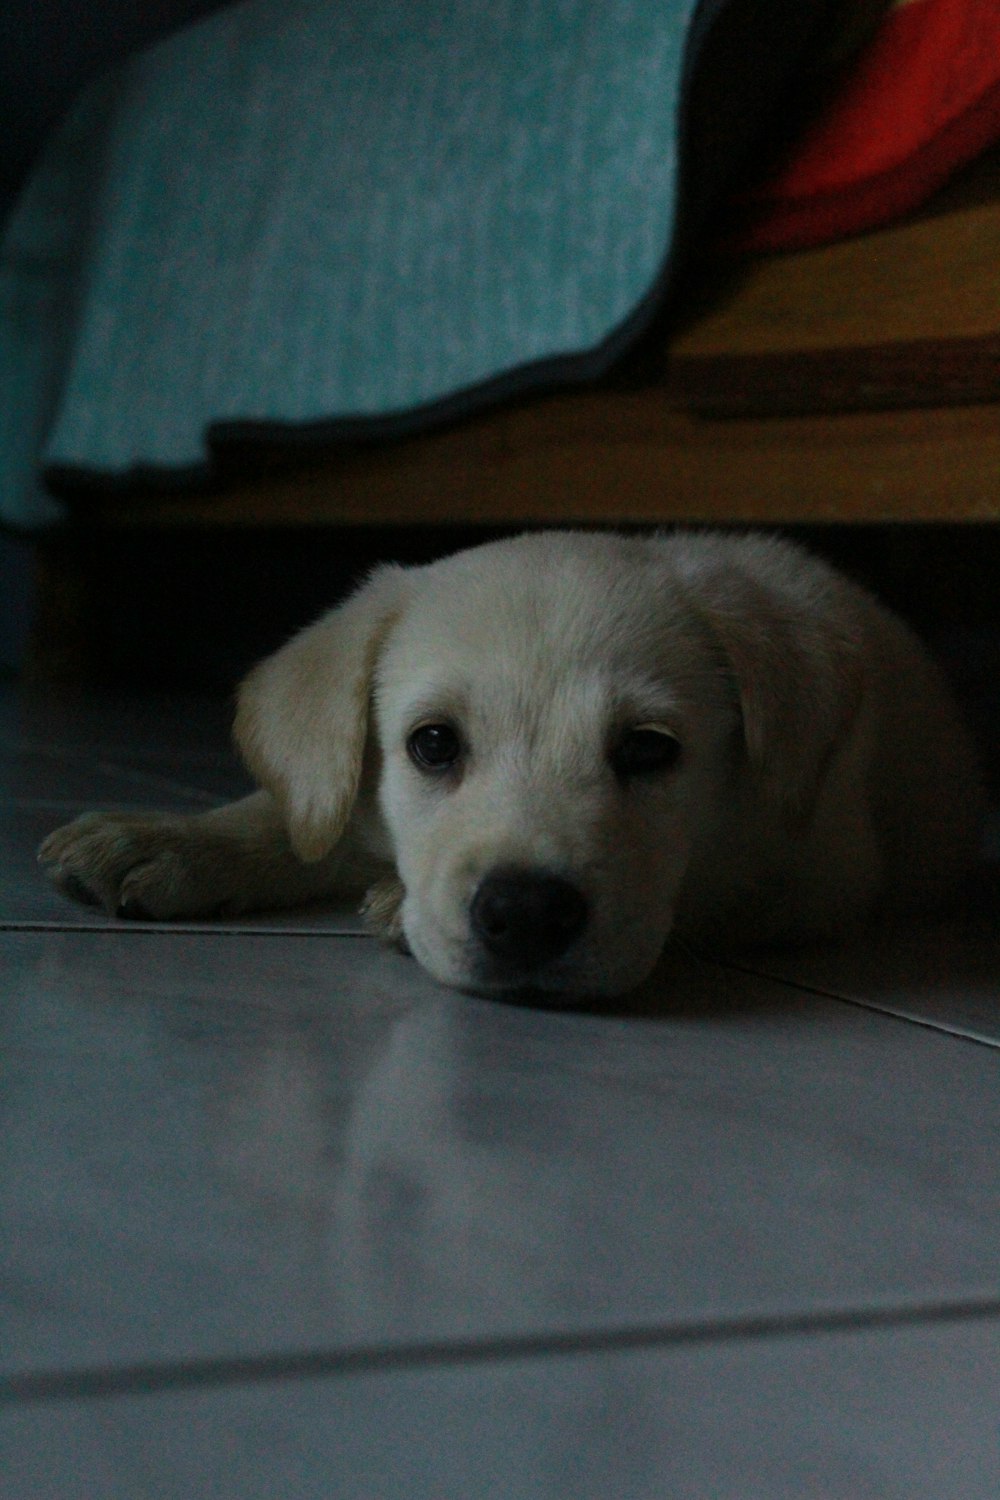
(944, 974)
(60, 779)
(219, 1146)
(116, 752)
(90, 777)
(904, 1413)
(196, 727)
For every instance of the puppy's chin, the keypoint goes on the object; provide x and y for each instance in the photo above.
(566, 985)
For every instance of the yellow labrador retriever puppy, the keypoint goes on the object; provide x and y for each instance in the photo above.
(544, 757)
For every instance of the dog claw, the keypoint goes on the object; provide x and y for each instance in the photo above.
(132, 910)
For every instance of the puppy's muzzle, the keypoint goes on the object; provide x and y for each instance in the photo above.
(526, 918)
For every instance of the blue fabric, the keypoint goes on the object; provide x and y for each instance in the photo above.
(323, 214)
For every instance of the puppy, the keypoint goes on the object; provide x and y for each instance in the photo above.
(545, 757)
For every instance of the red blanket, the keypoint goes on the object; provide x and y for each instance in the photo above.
(921, 99)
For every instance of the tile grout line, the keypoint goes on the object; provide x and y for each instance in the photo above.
(961, 1033)
(224, 1372)
(180, 929)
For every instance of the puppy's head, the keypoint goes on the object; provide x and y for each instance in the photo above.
(554, 729)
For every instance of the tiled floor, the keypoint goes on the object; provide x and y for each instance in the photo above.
(281, 1218)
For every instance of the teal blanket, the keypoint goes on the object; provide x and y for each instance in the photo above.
(315, 218)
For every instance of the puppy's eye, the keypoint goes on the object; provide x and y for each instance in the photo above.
(434, 747)
(646, 750)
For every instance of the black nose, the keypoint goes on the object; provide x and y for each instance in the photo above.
(525, 917)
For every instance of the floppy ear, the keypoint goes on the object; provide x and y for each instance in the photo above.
(302, 714)
(796, 663)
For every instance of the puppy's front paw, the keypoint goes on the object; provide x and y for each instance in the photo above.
(143, 866)
(382, 910)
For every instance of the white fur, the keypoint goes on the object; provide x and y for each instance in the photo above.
(823, 775)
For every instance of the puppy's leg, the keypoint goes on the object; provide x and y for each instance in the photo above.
(235, 858)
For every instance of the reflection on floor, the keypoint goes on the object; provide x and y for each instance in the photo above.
(283, 1218)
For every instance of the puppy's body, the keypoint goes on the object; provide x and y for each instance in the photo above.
(550, 754)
